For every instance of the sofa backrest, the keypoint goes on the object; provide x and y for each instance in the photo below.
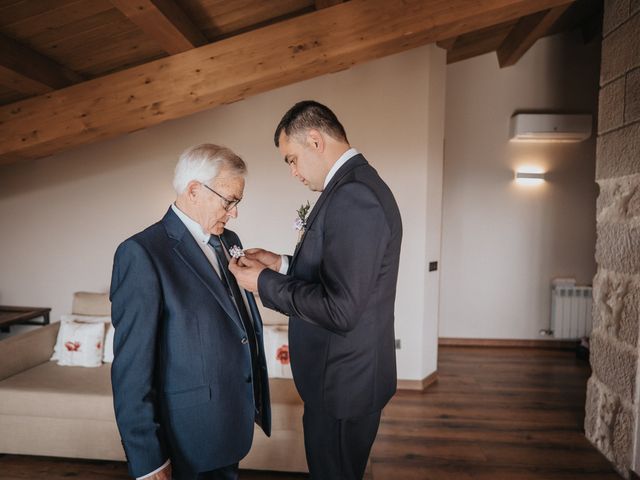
(89, 303)
(26, 350)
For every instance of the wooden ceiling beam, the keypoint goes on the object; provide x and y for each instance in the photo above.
(447, 43)
(164, 22)
(479, 42)
(320, 4)
(525, 33)
(232, 69)
(26, 71)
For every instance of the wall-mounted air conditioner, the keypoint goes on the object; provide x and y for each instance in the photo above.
(537, 127)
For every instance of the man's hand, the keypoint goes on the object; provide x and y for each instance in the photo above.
(164, 474)
(246, 272)
(270, 259)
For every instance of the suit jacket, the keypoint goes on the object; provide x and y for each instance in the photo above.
(182, 372)
(340, 295)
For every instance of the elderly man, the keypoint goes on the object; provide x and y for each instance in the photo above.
(339, 292)
(189, 374)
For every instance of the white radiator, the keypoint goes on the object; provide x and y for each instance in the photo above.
(571, 316)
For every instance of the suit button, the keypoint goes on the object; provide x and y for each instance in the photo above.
(244, 340)
(248, 378)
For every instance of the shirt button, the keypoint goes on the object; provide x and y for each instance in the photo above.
(244, 340)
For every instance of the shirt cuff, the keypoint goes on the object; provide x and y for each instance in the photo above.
(164, 465)
(284, 265)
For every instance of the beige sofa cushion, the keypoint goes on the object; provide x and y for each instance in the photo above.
(49, 390)
(88, 303)
(26, 350)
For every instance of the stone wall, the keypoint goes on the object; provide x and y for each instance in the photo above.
(612, 398)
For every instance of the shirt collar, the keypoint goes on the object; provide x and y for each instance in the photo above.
(344, 158)
(194, 227)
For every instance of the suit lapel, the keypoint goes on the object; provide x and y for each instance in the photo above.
(354, 162)
(228, 242)
(191, 254)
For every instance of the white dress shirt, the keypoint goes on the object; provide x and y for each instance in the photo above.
(344, 158)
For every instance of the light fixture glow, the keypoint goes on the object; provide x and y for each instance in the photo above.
(530, 176)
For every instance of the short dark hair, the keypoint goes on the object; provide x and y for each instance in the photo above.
(310, 114)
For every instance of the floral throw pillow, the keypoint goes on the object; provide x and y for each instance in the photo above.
(59, 347)
(82, 344)
(108, 345)
(276, 346)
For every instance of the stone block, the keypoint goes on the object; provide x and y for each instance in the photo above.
(621, 51)
(615, 12)
(606, 195)
(611, 106)
(608, 405)
(597, 312)
(633, 205)
(615, 306)
(622, 437)
(629, 323)
(618, 199)
(618, 152)
(618, 247)
(632, 96)
(614, 366)
(592, 404)
(635, 6)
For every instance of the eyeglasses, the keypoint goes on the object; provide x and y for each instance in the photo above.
(228, 204)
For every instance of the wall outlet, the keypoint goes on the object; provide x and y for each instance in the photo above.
(398, 344)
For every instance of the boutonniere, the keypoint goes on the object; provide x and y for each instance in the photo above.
(300, 223)
(236, 252)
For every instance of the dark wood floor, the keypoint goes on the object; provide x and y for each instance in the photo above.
(512, 414)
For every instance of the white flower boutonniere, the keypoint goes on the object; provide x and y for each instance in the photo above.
(236, 252)
(300, 223)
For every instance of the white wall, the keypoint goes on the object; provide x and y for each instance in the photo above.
(503, 243)
(434, 185)
(62, 217)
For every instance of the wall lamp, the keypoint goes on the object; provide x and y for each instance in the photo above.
(527, 177)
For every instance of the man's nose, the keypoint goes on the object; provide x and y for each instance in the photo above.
(233, 213)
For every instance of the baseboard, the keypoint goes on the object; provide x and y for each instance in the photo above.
(508, 343)
(418, 385)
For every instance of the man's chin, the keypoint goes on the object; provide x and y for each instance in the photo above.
(218, 229)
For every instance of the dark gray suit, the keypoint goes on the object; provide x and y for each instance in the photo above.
(182, 373)
(340, 295)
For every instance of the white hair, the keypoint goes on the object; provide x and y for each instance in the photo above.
(203, 163)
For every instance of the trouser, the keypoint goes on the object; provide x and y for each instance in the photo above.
(338, 449)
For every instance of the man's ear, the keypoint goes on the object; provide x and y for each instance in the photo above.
(316, 140)
(192, 190)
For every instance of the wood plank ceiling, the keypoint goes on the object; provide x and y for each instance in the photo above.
(76, 71)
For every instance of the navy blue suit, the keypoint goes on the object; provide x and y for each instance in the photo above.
(182, 373)
(340, 294)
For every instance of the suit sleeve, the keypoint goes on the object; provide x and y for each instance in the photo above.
(136, 309)
(355, 236)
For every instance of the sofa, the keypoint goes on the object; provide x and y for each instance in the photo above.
(62, 411)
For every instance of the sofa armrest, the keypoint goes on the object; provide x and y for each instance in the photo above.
(26, 350)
